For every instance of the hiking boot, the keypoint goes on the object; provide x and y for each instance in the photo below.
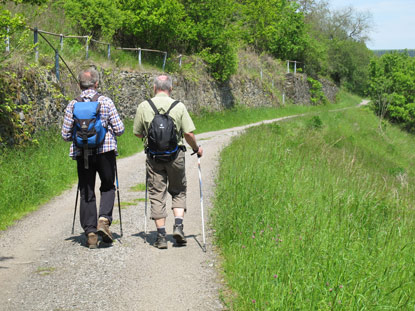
(103, 230)
(178, 234)
(161, 242)
(92, 240)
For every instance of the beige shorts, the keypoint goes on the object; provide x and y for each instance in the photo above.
(166, 177)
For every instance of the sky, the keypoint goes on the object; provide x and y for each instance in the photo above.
(394, 22)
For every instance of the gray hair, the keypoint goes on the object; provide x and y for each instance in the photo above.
(163, 83)
(87, 78)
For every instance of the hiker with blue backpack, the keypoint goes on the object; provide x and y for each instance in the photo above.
(92, 123)
(163, 122)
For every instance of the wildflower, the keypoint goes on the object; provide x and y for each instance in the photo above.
(341, 286)
(243, 246)
(330, 289)
(327, 284)
(275, 276)
(253, 300)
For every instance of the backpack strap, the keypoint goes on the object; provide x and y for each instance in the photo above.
(95, 98)
(153, 106)
(172, 106)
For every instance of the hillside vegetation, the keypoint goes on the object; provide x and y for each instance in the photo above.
(325, 220)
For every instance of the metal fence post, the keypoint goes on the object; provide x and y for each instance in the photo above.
(57, 64)
(7, 41)
(288, 66)
(139, 56)
(87, 47)
(295, 67)
(180, 60)
(35, 41)
(61, 41)
(164, 61)
(283, 99)
(109, 51)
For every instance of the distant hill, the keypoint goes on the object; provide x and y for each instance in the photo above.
(381, 52)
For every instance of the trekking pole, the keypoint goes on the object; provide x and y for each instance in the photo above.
(118, 195)
(145, 211)
(201, 204)
(74, 213)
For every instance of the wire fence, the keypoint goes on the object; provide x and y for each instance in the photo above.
(88, 39)
(291, 65)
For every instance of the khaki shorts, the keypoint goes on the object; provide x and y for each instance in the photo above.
(166, 177)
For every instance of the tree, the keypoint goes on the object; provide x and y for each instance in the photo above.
(275, 26)
(392, 88)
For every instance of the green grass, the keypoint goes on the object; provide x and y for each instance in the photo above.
(213, 121)
(325, 220)
(32, 176)
(138, 187)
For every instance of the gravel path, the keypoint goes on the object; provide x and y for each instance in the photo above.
(44, 267)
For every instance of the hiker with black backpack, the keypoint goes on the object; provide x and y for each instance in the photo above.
(92, 123)
(163, 122)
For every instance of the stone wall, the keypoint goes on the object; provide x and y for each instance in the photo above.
(128, 89)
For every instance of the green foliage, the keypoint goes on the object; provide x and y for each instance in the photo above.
(96, 18)
(16, 127)
(392, 85)
(274, 26)
(316, 92)
(325, 219)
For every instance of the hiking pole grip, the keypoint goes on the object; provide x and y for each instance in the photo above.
(201, 205)
(194, 152)
(74, 213)
(118, 196)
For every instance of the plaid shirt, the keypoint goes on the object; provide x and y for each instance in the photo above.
(109, 118)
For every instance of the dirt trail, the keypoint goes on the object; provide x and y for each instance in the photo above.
(44, 267)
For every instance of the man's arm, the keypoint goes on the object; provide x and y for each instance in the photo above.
(68, 122)
(191, 140)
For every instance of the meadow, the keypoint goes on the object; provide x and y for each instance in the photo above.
(325, 220)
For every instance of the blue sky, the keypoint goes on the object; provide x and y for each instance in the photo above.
(394, 21)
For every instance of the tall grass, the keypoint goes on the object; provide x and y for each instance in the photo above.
(325, 220)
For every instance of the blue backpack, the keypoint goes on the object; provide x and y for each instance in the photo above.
(88, 132)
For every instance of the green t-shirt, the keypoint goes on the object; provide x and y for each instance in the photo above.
(162, 101)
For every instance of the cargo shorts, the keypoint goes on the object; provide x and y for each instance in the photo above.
(166, 177)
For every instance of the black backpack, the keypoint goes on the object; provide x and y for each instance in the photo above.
(162, 136)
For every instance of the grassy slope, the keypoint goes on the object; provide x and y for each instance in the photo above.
(325, 221)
